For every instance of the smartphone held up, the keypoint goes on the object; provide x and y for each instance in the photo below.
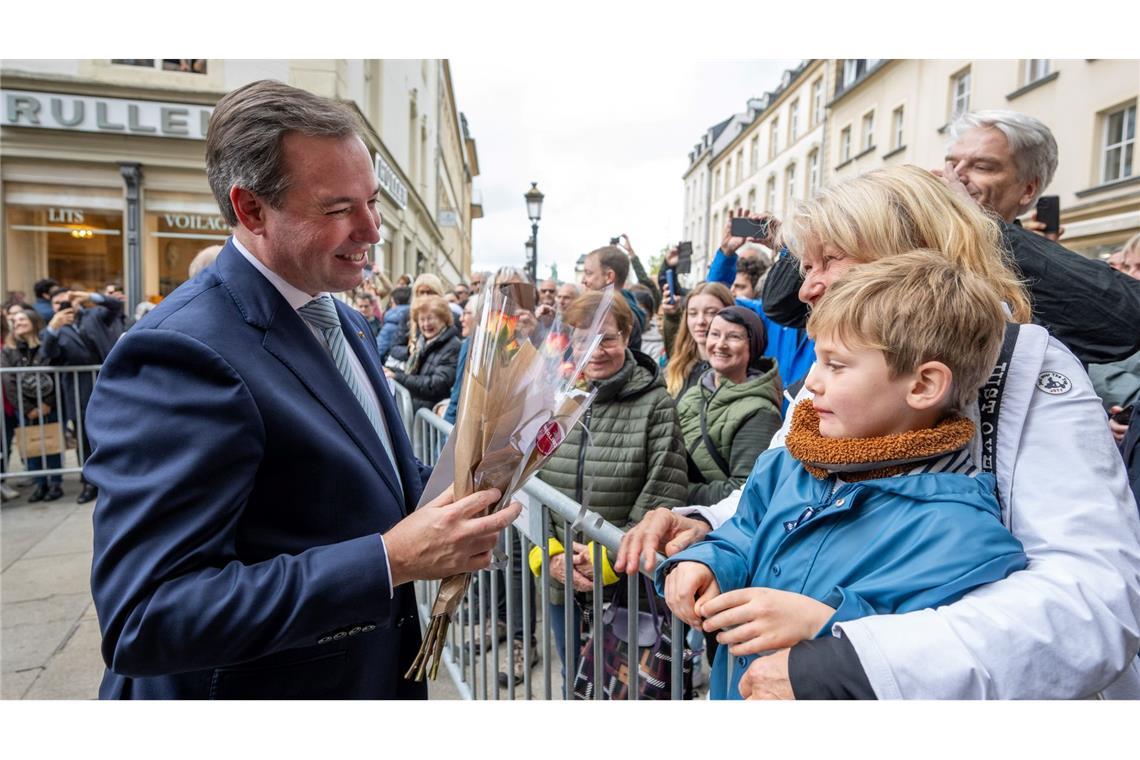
(744, 227)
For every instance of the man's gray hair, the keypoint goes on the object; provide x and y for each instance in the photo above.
(243, 143)
(1033, 146)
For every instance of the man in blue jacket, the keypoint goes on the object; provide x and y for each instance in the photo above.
(255, 535)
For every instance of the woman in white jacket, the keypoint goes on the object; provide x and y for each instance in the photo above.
(1066, 627)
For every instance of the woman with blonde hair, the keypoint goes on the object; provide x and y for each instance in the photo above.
(688, 359)
(890, 211)
(1066, 626)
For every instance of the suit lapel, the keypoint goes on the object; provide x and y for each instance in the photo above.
(290, 341)
(295, 346)
(370, 360)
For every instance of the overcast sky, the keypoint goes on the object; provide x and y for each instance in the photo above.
(607, 144)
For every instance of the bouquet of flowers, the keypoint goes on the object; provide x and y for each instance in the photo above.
(522, 392)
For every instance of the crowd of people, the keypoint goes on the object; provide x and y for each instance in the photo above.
(886, 446)
(65, 326)
(681, 423)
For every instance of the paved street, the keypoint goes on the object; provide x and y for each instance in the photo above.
(49, 641)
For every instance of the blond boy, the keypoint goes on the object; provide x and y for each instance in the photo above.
(874, 506)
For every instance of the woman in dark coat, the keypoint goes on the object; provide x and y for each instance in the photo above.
(33, 395)
(433, 362)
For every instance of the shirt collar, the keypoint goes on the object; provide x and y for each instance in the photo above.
(295, 296)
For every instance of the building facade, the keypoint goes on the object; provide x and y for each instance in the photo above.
(764, 158)
(888, 112)
(697, 188)
(836, 118)
(102, 169)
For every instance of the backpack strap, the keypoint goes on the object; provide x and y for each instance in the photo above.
(990, 398)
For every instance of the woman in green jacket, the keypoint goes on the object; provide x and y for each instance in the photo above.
(633, 461)
(730, 415)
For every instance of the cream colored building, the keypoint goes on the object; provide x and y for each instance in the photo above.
(697, 187)
(772, 155)
(889, 112)
(102, 170)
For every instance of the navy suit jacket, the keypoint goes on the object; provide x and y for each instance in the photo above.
(242, 494)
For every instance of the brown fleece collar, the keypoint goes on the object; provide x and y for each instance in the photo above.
(868, 458)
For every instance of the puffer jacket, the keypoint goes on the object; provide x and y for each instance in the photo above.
(635, 461)
(432, 369)
(394, 333)
(741, 420)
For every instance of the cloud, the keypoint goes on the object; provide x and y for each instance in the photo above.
(606, 140)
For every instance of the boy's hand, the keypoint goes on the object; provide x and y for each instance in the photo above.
(762, 619)
(686, 587)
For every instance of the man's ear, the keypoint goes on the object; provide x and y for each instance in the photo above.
(930, 387)
(611, 276)
(1028, 193)
(249, 208)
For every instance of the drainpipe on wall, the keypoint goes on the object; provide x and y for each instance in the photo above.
(132, 240)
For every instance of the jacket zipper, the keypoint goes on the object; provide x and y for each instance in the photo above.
(812, 511)
(582, 454)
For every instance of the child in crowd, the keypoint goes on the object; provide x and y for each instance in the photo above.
(874, 506)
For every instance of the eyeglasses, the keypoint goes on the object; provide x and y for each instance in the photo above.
(609, 340)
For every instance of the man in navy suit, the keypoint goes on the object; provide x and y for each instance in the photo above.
(256, 531)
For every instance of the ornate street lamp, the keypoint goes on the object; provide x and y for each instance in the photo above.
(534, 211)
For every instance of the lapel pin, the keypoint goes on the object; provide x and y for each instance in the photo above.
(359, 334)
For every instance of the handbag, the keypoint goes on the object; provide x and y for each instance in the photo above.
(654, 650)
(37, 386)
(38, 440)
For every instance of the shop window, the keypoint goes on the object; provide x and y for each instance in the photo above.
(83, 248)
(178, 239)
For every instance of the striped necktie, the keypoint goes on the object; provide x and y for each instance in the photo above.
(321, 314)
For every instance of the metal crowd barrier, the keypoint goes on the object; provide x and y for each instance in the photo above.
(404, 406)
(65, 390)
(468, 665)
